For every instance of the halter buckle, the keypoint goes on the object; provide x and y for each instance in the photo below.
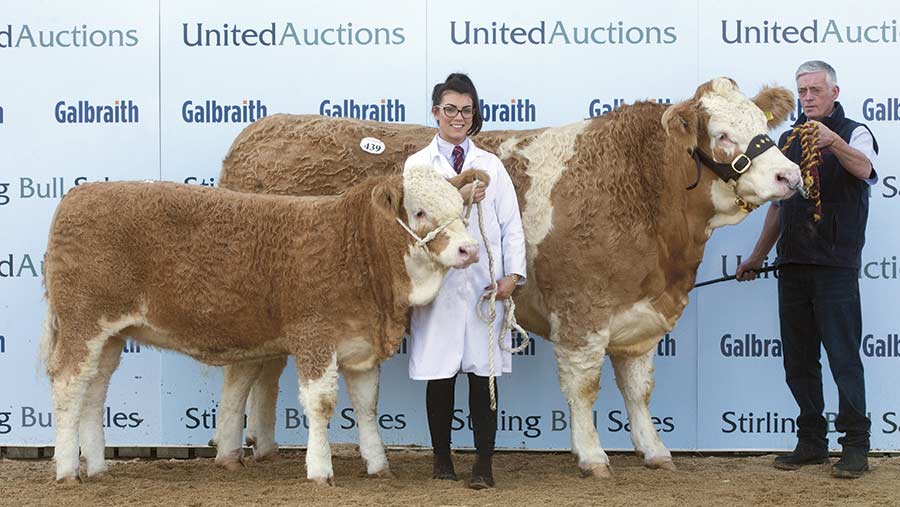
(742, 156)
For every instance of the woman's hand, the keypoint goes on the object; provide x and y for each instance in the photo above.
(505, 286)
(466, 191)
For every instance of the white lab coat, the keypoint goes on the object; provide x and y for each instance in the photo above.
(446, 335)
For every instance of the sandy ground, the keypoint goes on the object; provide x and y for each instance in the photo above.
(550, 479)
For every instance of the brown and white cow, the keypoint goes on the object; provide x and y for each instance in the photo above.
(229, 277)
(605, 197)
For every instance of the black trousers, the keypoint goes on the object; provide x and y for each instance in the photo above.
(817, 306)
(439, 401)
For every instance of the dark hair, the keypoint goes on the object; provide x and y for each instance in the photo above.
(460, 83)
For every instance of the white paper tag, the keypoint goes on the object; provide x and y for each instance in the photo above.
(372, 145)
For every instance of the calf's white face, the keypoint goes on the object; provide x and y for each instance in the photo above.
(432, 202)
(734, 120)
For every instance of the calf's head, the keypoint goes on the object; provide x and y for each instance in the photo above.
(431, 210)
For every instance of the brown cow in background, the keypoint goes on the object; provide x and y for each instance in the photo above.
(614, 238)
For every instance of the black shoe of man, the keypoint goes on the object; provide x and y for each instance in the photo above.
(853, 464)
(806, 453)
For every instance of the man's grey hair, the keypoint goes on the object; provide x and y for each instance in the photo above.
(818, 66)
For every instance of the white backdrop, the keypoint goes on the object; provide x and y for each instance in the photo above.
(169, 66)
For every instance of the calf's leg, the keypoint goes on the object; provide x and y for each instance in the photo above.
(318, 395)
(363, 390)
(235, 388)
(90, 427)
(73, 361)
(261, 410)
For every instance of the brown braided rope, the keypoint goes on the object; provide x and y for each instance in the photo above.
(742, 203)
(809, 163)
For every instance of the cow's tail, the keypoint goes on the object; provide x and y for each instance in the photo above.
(49, 334)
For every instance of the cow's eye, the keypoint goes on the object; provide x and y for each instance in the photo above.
(722, 137)
(420, 214)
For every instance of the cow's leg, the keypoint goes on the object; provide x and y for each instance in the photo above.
(238, 379)
(579, 378)
(318, 395)
(634, 376)
(90, 427)
(261, 411)
(363, 390)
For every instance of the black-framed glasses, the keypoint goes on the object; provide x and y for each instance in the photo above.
(450, 111)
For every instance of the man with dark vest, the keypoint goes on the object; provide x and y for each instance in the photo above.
(820, 243)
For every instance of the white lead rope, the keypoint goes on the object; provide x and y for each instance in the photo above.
(430, 236)
(490, 296)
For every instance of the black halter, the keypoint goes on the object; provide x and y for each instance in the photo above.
(738, 166)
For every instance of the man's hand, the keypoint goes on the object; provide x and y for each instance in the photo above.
(745, 270)
(466, 191)
(826, 136)
(505, 286)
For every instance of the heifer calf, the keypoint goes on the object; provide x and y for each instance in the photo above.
(227, 277)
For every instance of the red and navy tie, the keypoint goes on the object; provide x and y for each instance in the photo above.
(458, 158)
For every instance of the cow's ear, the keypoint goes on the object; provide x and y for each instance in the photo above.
(680, 121)
(776, 102)
(469, 175)
(387, 197)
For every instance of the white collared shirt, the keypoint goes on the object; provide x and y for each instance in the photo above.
(446, 148)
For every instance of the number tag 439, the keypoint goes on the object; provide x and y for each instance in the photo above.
(372, 145)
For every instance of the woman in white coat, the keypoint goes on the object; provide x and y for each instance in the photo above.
(447, 335)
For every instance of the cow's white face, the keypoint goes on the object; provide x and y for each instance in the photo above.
(734, 120)
(431, 202)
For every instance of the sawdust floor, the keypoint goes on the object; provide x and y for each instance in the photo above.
(548, 479)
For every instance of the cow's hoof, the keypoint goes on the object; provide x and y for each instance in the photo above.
(230, 464)
(97, 474)
(597, 470)
(251, 441)
(68, 481)
(95, 477)
(661, 463)
(272, 456)
(384, 473)
(323, 481)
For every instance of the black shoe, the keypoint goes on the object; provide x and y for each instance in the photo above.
(853, 464)
(482, 473)
(804, 454)
(442, 468)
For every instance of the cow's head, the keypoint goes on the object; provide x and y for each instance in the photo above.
(431, 210)
(728, 132)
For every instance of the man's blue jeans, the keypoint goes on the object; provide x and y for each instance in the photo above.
(819, 305)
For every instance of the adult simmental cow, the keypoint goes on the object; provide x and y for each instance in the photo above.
(228, 277)
(607, 198)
